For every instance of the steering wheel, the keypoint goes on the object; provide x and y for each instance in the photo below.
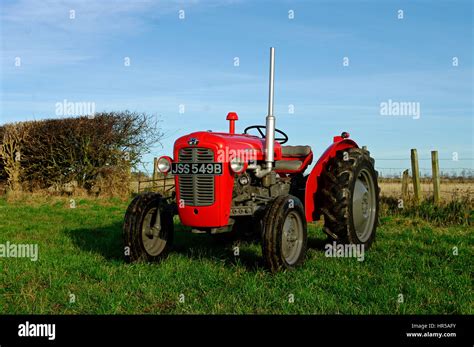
(281, 140)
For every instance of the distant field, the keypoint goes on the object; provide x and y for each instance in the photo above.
(450, 189)
(80, 256)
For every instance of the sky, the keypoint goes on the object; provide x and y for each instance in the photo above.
(338, 65)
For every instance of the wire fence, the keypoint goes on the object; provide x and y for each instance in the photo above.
(449, 168)
(396, 172)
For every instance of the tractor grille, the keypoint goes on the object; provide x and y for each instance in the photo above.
(196, 190)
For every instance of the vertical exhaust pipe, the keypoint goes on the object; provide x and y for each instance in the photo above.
(270, 124)
(270, 120)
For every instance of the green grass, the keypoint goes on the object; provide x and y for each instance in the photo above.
(455, 212)
(80, 253)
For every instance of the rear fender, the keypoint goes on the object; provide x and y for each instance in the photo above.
(339, 144)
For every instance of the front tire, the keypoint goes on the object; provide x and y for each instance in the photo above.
(350, 197)
(148, 228)
(284, 237)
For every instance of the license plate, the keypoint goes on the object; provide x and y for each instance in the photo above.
(196, 168)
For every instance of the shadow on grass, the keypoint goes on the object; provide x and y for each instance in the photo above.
(107, 242)
(199, 246)
(317, 244)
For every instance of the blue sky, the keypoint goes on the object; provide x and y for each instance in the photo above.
(190, 61)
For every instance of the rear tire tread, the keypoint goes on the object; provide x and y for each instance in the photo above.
(336, 194)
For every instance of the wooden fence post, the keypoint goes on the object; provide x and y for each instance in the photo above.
(405, 179)
(435, 176)
(416, 176)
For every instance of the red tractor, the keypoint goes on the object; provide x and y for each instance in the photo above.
(226, 183)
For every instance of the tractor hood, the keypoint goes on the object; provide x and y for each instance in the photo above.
(226, 146)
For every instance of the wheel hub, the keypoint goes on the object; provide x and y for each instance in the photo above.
(151, 229)
(292, 237)
(364, 205)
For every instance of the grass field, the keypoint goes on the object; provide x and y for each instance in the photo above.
(80, 255)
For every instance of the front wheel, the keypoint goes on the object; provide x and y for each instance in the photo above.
(284, 237)
(148, 228)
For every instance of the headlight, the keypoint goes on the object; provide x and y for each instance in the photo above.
(164, 164)
(237, 165)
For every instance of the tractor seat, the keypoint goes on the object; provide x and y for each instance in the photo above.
(295, 151)
(288, 165)
(294, 159)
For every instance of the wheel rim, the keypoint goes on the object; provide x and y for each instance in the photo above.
(151, 233)
(364, 205)
(292, 237)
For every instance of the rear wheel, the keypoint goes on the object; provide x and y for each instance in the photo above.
(148, 228)
(284, 237)
(350, 195)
